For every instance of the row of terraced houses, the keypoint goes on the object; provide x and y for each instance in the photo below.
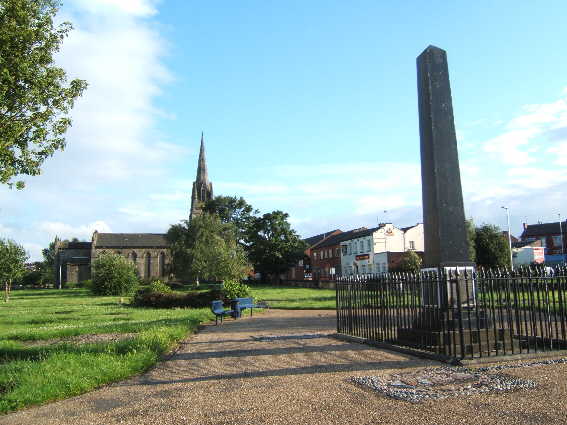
(358, 251)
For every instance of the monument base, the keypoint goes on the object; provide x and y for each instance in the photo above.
(483, 341)
(435, 319)
(450, 284)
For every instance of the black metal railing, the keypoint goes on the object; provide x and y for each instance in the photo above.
(458, 313)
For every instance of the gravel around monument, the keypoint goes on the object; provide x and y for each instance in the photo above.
(285, 367)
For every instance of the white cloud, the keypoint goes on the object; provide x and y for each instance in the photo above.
(140, 8)
(5, 231)
(529, 133)
(34, 251)
(508, 146)
(560, 152)
(67, 231)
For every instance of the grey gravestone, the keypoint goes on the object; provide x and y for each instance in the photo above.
(445, 230)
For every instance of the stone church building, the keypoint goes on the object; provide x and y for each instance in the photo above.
(148, 251)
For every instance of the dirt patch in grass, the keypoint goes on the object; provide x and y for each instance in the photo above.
(82, 339)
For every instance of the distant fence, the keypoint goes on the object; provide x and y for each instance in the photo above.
(460, 315)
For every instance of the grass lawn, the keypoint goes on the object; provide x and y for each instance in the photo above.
(292, 298)
(41, 358)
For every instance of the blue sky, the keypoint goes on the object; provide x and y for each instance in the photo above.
(307, 106)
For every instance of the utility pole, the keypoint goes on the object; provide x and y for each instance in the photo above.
(510, 236)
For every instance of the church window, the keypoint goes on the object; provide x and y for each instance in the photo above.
(148, 266)
(162, 264)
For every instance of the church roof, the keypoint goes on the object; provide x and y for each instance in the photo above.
(131, 240)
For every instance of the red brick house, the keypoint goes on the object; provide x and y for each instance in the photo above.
(551, 236)
(326, 255)
(303, 270)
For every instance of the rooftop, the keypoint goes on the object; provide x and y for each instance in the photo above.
(131, 240)
(314, 240)
(543, 229)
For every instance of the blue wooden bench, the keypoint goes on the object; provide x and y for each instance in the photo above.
(239, 304)
(218, 309)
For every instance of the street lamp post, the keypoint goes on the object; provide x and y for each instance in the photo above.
(509, 237)
(561, 232)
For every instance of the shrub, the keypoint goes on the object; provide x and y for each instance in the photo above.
(146, 298)
(234, 289)
(159, 286)
(113, 275)
(31, 278)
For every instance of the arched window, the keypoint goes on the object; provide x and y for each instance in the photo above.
(162, 264)
(148, 266)
(133, 257)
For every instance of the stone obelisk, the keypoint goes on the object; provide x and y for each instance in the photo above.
(445, 232)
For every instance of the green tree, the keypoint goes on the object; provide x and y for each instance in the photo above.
(205, 248)
(471, 235)
(35, 96)
(13, 259)
(410, 262)
(114, 275)
(491, 246)
(273, 244)
(47, 267)
(237, 211)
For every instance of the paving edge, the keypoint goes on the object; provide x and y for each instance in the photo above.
(512, 357)
(398, 349)
(448, 359)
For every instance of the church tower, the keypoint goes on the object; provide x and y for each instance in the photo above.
(202, 188)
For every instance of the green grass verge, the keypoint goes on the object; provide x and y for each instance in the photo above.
(33, 374)
(294, 298)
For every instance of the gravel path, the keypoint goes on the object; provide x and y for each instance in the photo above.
(282, 368)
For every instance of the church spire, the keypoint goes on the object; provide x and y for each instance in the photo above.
(202, 188)
(202, 175)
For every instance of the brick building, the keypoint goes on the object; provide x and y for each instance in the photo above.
(551, 236)
(326, 255)
(304, 268)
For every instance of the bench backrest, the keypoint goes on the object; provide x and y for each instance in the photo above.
(244, 302)
(217, 307)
